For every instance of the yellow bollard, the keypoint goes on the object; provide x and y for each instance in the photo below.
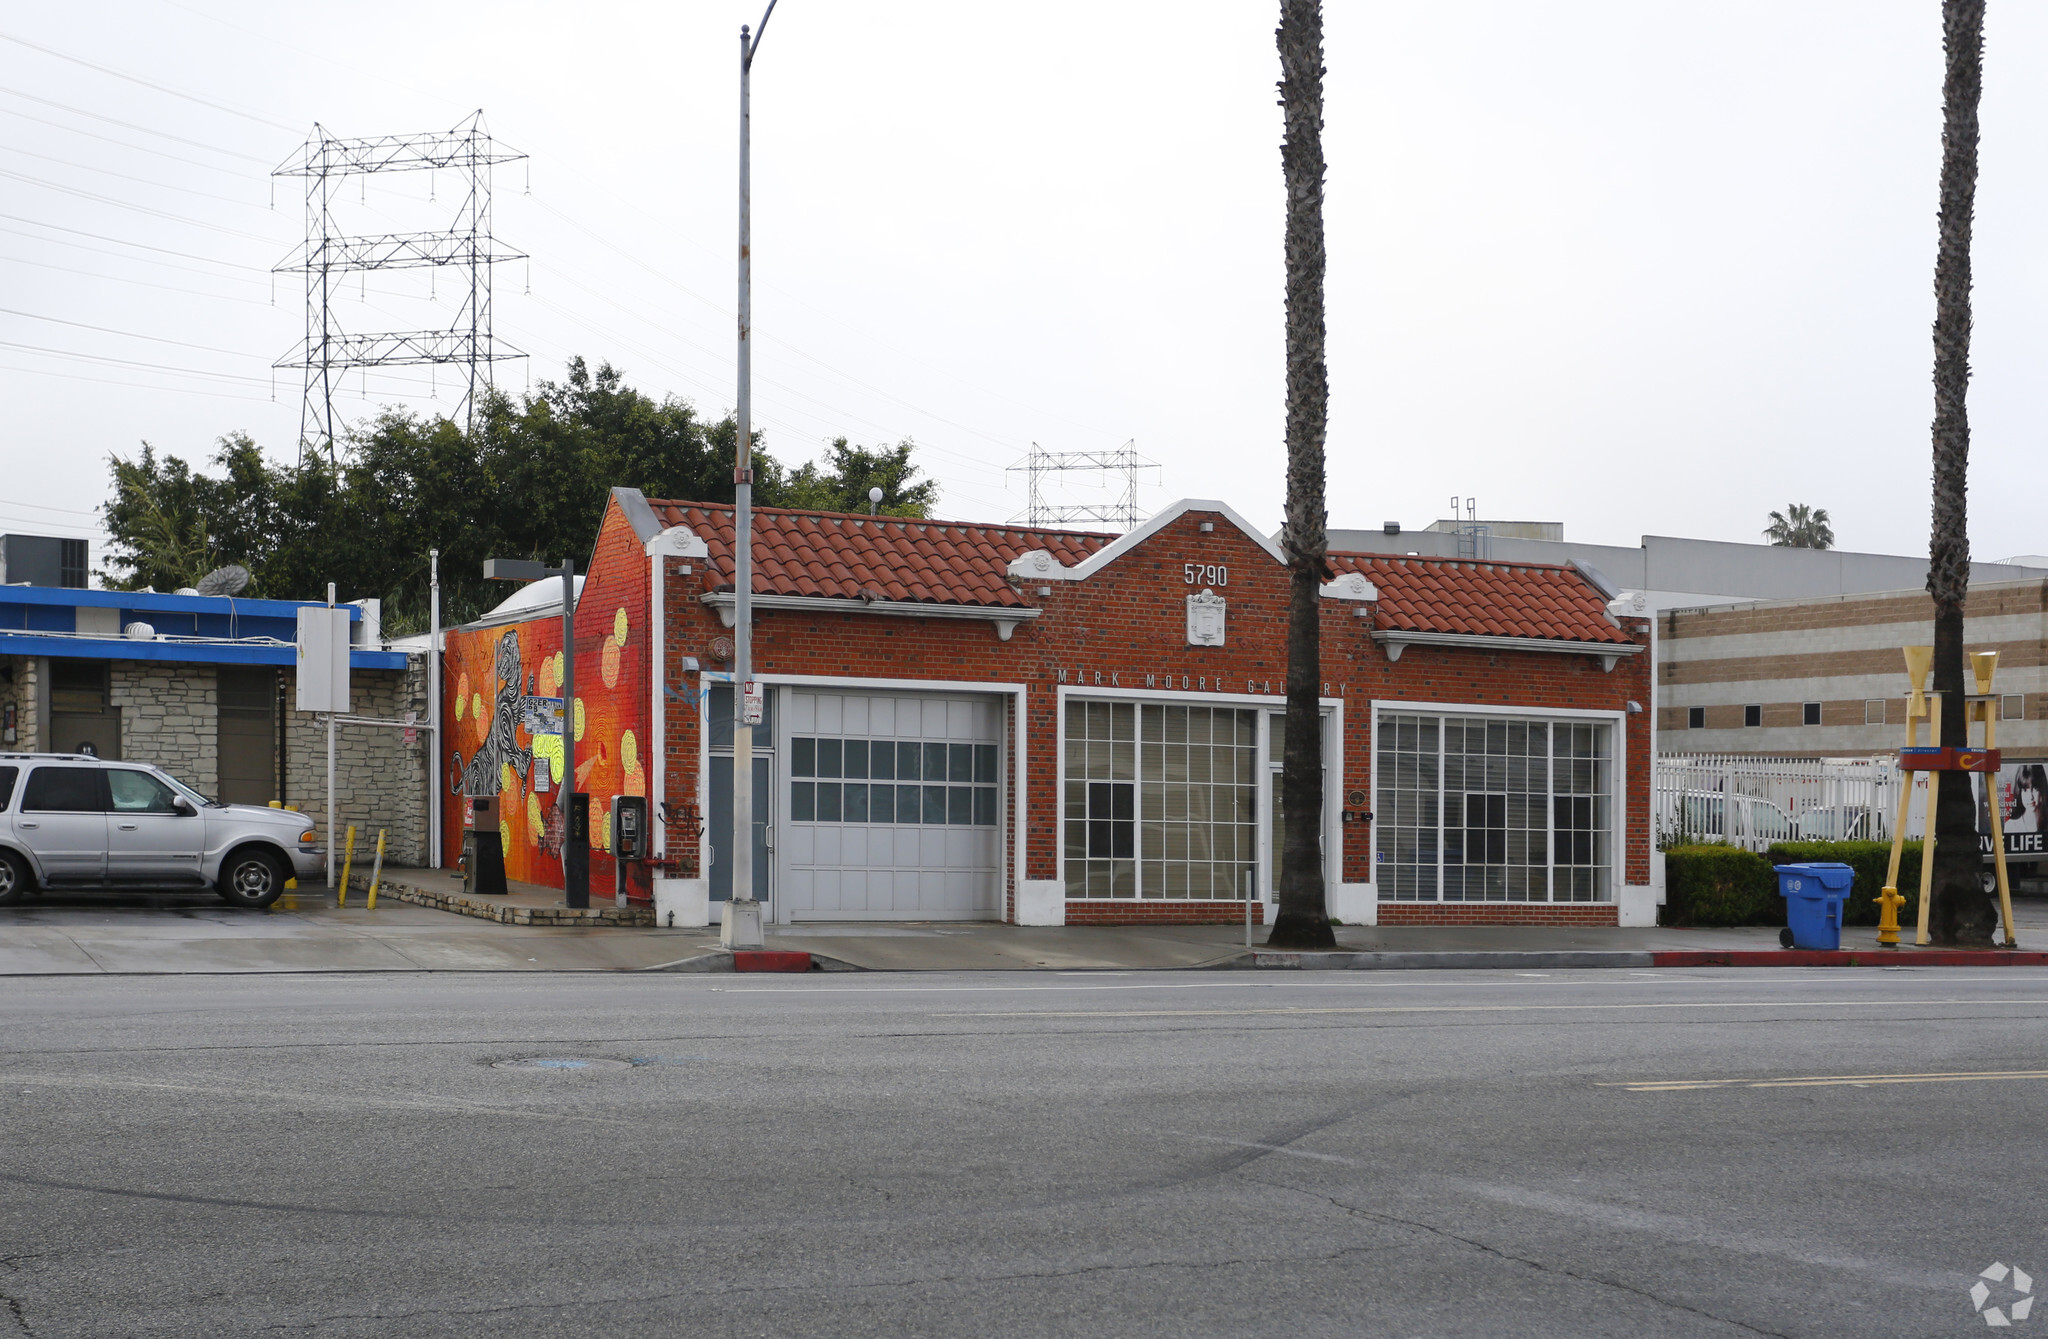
(377, 870)
(347, 860)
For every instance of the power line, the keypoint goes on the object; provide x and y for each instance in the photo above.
(37, 506)
(124, 144)
(41, 351)
(117, 241)
(149, 84)
(143, 181)
(127, 334)
(130, 125)
(123, 204)
(123, 279)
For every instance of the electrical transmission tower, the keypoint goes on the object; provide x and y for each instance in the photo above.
(328, 254)
(1123, 512)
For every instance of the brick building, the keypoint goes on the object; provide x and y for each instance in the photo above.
(1001, 722)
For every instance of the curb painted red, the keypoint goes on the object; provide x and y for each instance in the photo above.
(1867, 957)
(770, 960)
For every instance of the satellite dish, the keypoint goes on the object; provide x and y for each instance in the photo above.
(230, 580)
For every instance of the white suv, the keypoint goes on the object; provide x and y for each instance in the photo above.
(72, 821)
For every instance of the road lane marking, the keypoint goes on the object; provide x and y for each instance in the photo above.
(313, 1099)
(1283, 1011)
(1821, 1081)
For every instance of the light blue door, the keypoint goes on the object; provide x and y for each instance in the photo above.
(718, 835)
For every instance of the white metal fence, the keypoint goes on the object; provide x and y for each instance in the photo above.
(1753, 802)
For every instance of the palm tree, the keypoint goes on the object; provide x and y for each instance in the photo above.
(1800, 527)
(1959, 911)
(1303, 920)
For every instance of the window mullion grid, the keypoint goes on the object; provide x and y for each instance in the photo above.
(1550, 814)
(1441, 772)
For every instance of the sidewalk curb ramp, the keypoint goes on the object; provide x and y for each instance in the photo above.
(1504, 961)
(755, 960)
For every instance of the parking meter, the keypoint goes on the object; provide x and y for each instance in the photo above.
(483, 851)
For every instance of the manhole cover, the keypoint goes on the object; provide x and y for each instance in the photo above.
(559, 1062)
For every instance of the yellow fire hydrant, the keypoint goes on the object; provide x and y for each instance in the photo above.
(1888, 903)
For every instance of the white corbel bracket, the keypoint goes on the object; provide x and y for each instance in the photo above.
(1040, 565)
(677, 542)
(1350, 586)
(1628, 604)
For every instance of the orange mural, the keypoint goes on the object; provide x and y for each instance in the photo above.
(504, 713)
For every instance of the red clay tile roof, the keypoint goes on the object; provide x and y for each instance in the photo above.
(1486, 599)
(848, 556)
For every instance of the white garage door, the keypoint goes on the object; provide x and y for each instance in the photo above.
(891, 806)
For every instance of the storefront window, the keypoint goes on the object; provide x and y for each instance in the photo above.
(1482, 809)
(1161, 800)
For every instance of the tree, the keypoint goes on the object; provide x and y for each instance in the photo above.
(850, 471)
(1302, 919)
(1959, 911)
(531, 481)
(1800, 527)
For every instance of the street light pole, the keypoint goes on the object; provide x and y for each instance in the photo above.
(741, 926)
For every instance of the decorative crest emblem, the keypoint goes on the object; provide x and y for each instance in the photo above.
(1205, 619)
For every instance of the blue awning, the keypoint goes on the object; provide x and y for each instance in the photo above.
(182, 652)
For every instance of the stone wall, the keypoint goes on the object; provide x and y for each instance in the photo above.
(20, 691)
(380, 781)
(170, 718)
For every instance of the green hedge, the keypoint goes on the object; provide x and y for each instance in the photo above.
(1870, 860)
(1719, 885)
(1726, 885)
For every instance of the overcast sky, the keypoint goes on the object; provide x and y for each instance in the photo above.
(1636, 267)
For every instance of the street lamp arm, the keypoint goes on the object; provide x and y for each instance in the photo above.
(759, 33)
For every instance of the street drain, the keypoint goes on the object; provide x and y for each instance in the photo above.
(559, 1062)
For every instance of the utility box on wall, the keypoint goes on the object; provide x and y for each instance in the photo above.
(323, 659)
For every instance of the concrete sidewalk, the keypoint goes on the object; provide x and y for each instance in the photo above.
(177, 933)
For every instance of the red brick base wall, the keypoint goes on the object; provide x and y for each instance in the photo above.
(1133, 912)
(1498, 913)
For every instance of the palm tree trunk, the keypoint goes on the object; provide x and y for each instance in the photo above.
(1960, 912)
(1303, 920)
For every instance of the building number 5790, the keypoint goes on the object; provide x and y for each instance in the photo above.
(1198, 574)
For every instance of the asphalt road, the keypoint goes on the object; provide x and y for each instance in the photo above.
(1410, 1153)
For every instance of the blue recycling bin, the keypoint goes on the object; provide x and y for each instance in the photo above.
(1814, 894)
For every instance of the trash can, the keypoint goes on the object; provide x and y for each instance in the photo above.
(1813, 895)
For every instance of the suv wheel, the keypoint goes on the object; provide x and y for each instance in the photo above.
(251, 877)
(15, 882)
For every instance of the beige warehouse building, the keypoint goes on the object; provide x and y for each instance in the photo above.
(1822, 675)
